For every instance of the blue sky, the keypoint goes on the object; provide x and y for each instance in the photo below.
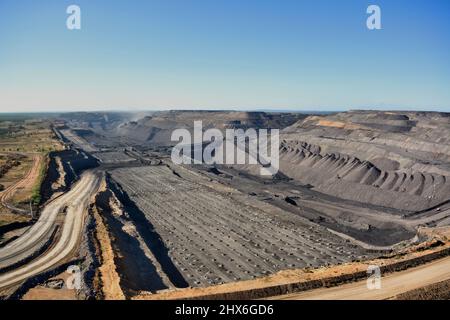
(224, 54)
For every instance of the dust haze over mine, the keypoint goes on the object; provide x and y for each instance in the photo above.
(352, 186)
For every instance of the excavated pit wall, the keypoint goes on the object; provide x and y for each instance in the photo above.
(136, 271)
(74, 163)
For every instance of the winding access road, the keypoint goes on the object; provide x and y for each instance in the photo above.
(73, 205)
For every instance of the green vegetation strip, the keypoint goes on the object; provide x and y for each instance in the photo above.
(36, 191)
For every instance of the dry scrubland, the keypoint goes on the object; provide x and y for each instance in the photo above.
(353, 188)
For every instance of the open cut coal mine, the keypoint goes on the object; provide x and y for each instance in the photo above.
(351, 186)
(212, 238)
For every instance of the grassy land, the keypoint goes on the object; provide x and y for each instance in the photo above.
(28, 136)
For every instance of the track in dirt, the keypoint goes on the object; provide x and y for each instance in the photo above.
(349, 184)
(27, 180)
(391, 285)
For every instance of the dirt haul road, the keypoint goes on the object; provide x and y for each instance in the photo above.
(74, 204)
(28, 179)
(391, 285)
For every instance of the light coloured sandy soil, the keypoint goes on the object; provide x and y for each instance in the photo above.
(337, 124)
(374, 177)
(43, 292)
